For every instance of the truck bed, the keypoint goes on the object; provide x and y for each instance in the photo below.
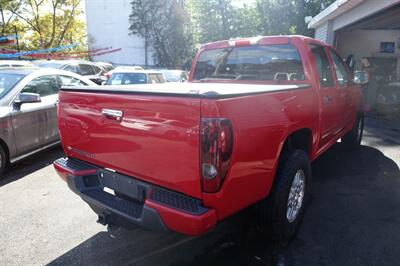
(191, 90)
(155, 139)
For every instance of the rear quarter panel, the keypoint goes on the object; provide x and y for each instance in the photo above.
(261, 124)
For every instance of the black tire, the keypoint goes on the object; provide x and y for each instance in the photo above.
(273, 211)
(3, 160)
(352, 140)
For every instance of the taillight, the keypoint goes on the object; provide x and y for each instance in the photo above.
(215, 152)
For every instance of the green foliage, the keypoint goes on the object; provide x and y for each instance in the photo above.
(288, 17)
(163, 26)
(43, 23)
(174, 29)
(144, 19)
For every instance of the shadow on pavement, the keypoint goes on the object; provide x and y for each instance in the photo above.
(30, 165)
(352, 218)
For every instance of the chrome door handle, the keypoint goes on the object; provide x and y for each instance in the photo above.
(111, 113)
(327, 99)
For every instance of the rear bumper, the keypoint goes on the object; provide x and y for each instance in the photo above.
(134, 202)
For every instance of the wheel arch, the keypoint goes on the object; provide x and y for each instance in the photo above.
(301, 138)
(4, 145)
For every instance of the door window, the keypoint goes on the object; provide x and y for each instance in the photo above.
(71, 81)
(323, 65)
(341, 73)
(44, 86)
(71, 68)
(97, 70)
(160, 78)
(86, 70)
(153, 78)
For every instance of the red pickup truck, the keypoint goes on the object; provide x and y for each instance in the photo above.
(242, 131)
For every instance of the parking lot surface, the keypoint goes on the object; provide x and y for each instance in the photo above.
(352, 218)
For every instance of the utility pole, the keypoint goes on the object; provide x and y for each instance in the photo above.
(16, 38)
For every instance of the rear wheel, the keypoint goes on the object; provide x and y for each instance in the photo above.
(352, 139)
(3, 160)
(282, 212)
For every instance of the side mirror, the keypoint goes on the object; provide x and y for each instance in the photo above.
(27, 97)
(361, 77)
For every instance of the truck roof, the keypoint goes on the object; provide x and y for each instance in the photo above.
(257, 40)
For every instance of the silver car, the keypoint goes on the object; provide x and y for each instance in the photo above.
(28, 110)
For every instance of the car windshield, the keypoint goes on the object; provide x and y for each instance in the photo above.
(127, 78)
(267, 62)
(8, 81)
(172, 76)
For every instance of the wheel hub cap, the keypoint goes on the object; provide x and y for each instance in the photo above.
(296, 195)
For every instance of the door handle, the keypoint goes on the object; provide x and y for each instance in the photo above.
(327, 99)
(113, 114)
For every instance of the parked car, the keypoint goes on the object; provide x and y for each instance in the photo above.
(253, 116)
(15, 63)
(123, 76)
(84, 68)
(28, 102)
(175, 75)
(121, 68)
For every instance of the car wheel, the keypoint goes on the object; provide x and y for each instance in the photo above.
(3, 160)
(352, 140)
(282, 212)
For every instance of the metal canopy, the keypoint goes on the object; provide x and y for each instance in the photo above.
(388, 19)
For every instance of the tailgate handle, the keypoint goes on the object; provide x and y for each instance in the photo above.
(111, 113)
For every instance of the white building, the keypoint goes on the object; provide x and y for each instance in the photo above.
(107, 23)
(362, 28)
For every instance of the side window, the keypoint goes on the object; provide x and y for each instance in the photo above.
(184, 76)
(71, 69)
(97, 69)
(44, 86)
(323, 66)
(161, 78)
(153, 79)
(71, 81)
(341, 72)
(86, 70)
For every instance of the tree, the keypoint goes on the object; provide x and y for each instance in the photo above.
(142, 20)
(163, 26)
(172, 46)
(11, 6)
(44, 23)
(288, 17)
(212, 19)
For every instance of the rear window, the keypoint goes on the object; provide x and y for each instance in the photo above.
(127, 78)
(270, 62)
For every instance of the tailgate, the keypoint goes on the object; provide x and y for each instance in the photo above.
(151, 138)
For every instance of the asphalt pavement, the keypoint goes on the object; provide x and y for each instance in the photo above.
(352, 218)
